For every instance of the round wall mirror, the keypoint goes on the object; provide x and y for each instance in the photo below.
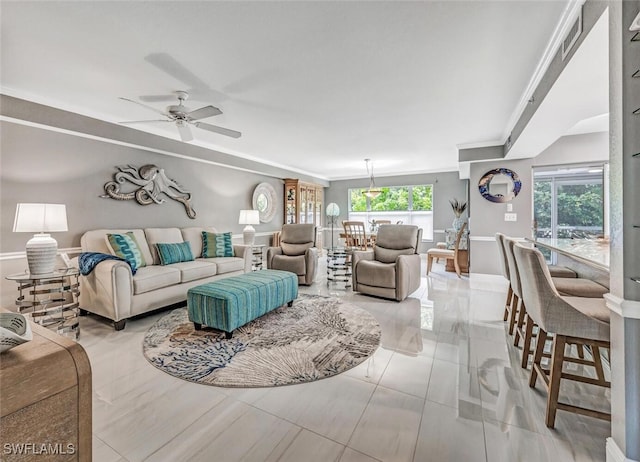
(499, 185)
(264, 201)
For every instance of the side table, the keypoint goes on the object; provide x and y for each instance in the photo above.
(257, 257)
(51, 300)
(339, 266)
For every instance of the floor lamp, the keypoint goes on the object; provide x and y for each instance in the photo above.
(333, 211)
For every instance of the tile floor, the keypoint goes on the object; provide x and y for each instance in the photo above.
(445, 385)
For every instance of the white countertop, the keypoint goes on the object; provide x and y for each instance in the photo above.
(591, 251)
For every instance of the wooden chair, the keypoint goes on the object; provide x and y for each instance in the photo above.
(447, 254)
(355, 236)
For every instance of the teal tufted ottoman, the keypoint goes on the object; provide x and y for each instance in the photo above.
(229, 303)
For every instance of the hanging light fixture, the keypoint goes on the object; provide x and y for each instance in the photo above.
(372, 192)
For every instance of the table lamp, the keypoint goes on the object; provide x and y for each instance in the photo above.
(41, 219)
(249, 217)
(332, 212)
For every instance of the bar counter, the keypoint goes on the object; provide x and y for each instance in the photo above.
(587, 257)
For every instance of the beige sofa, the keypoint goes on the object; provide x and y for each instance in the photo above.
(110, 290)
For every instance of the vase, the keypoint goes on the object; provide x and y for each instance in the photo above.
(457, 223)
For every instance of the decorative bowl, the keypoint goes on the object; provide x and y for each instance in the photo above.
(14, 330)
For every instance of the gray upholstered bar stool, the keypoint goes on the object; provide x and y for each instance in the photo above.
(570, 320)
(504, 266)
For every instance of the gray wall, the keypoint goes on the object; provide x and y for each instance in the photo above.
(45, 166)
(575, 149)
(446, 185)
(487, 218)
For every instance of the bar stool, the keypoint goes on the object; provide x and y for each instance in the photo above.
(504, 266)
(575, 320)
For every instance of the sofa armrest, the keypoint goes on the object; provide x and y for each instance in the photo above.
(311, 264)
(244, 252)
(356, 256)
(108, 290)
(272, 252)
(407, 275)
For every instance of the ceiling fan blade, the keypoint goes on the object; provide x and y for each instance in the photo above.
(185, 131)
(157, 98)
(204, 112)
(168, 64)
(198, 89)
(145, 106)
(143, 121)
(216, 129)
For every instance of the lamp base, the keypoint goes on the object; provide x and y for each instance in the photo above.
(249, 235)
(41, 254)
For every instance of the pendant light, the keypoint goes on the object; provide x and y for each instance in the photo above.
(372, 192)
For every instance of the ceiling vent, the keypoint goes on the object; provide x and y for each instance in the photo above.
(572, 36)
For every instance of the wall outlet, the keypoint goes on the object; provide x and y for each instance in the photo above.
(509, 207)
(510, 217)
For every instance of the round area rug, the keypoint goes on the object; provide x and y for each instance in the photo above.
(317, 337)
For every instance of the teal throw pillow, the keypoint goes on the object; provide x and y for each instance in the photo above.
(216, 245)
(126, 246)
(174, 253)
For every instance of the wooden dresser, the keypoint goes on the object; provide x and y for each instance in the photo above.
(45, 400)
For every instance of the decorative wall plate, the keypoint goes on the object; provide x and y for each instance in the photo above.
(506, 185)
(264, 201)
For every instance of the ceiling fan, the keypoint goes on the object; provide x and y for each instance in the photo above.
(182, 117)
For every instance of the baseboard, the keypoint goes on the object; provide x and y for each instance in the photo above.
(614, 453)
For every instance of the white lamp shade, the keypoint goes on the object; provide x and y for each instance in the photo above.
(333, 210)
(249, 217)
(40, 218)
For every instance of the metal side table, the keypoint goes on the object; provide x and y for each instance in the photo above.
(339, 266)
(51, 300)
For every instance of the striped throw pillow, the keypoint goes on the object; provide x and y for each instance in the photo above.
(126, 246)
(174, 253)
(216, 245)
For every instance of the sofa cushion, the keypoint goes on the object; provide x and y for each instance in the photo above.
(376, 274)
(295, 249)
(155, 277)
(391, 255)
(126, 246)
(194, 270)
(193, 236)
(161, 235)
(95, 241)
(216, 245)
(295, 264)
(225, 264)
(174, 253)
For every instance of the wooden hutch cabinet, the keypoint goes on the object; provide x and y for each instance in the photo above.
(303, 202)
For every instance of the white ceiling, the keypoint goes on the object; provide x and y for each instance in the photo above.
(313, 86)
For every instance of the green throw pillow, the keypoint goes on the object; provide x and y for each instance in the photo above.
(216, 245)
(174, 253)
(126, 246)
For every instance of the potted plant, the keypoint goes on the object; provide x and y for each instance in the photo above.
(458, 208)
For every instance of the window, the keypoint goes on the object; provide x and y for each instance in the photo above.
(569, 202)
(411, 205)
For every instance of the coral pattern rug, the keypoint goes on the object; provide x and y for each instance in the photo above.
(317, 337)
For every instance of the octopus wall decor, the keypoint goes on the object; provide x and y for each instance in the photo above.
(152, 184)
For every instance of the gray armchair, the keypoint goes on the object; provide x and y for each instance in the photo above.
(392, 268)
(297, 252)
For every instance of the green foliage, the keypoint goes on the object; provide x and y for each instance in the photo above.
(579, 205)
(394, 198)
(422, 197)
(358, 200)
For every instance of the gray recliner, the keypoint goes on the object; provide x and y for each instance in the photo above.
(392, 268)
(297, 252)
